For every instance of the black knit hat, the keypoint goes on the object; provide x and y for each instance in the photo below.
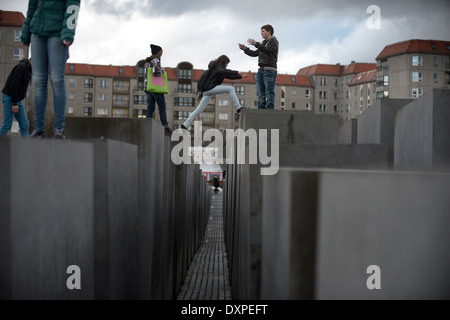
(155, 48)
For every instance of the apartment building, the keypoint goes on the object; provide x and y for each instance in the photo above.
(11, 48)
(339, 89)
(409, 69)
(99, 90)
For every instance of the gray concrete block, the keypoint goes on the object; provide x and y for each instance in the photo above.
(323, 229)
(115, 219)
(294, 126)
(376, 125)
(348, 131)
(148, 135)
(47, 210)
(422, 133)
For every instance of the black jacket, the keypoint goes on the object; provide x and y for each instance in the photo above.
(214, 77)
(17, 83)
(267, 53)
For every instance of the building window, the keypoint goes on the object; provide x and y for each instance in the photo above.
(181, 115)
(323, 108)
(323, 82)
(88, 83)
(87, 97)
(71, 67)
(18, 53)
(384, 66)
(308, 93)
(102, 97)
(240, 90)
(336, 109)
(417, 92)
(120, 70)
(71, 95)
(224, 103)
(140, 100)
(87, 111)
(349, 94)
(17, 35)
(103, 84)
(184, 88)
(141, 73)
(417, 77)
(184, 74)
(386, 80)
(102, 111)
(242, 103)
(417, 61)
(436, 61)
(139, 113)
(184, 102)
(223, 116)
(71, 82)
(294, 93)
(323, 95)
(283, 93)
(435, 77)
(308, 106)
(294, 105)
(70, 110)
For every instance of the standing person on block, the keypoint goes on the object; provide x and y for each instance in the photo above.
(209, 84)
(154, 61)
(267, 53)
(50, 29)
(14, 92)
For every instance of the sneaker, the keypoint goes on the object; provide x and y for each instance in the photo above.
(183, 127)
(38, 134)
(59, 134)
(167, 130)
(239, 110)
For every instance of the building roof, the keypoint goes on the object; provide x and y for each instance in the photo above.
(100, 70)
(336, 70)
(364, 77)
(415, 46)
(11, 18)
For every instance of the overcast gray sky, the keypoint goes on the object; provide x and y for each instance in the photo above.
(119, 32)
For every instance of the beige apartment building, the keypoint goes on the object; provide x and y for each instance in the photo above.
(409, 69)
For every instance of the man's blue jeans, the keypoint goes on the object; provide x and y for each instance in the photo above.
(8, 115)
(49, 55)
(265, 88)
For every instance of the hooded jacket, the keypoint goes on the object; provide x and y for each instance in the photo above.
(214, 77)
(17, 83)
(51, 18)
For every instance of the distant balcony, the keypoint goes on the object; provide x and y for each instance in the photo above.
(120, 89)
(120, 104)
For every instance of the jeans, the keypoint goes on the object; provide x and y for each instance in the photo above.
(207, 97)
(159, 98)
(20, 116)
(49, 55)
(265, 88)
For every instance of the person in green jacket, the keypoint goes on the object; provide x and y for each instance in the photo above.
(50, 28)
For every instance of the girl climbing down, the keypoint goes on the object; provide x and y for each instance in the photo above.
(209, 84)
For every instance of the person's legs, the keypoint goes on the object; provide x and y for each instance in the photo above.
(260, 89)
(231, 91)
(57, 57)
(201, 106)
(269, 83)
(40, 78)
(161, 100)
(150, 104)
(7, 115)
(21, 117)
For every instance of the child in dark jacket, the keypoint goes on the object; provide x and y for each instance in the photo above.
(14, 92)
(154, 61)
(210, 84)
